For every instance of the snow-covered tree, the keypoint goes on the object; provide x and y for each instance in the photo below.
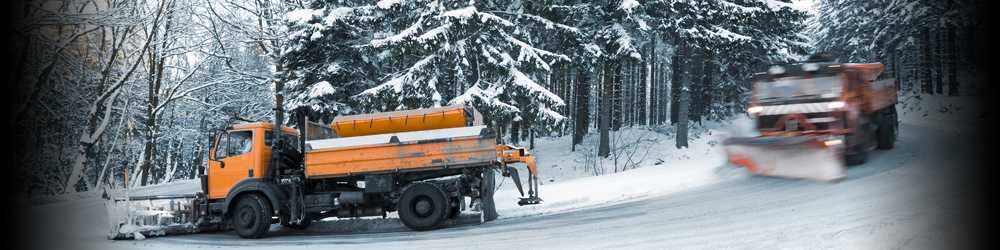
(320, 64)
(918, 40)
(461, 52)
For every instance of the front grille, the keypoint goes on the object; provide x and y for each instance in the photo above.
(769, 122)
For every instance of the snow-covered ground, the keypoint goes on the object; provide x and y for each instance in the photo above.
(907, 197)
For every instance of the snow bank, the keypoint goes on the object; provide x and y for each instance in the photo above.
(939, 111)
(568, 183)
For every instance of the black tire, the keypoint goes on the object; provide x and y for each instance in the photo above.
(423, 206)
(486, 190)
(888, 129)
(859, 157)
(251, 217)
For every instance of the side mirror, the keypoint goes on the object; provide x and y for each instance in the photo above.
(222, 164)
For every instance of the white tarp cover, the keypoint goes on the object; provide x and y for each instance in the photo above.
(403, 137)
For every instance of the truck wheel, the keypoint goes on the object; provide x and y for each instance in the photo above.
(486, 191)
(423, 206)
(888, 128)
(857, 158)
(251, 218)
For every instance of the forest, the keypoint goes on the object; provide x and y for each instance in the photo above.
(113, 93)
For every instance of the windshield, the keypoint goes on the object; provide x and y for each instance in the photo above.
(790, 88)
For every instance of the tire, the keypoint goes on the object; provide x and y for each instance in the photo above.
(251, 218)
(888, 129)
(859, 157)
(486, 190)
(423, 206)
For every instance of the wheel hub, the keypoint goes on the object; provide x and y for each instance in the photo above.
(423, 207)
(246, 217)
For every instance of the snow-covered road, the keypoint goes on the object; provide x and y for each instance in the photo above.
(904, 198)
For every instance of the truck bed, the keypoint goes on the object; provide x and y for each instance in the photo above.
(400, 152)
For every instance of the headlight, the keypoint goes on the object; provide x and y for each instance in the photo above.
(810, 67)
(755, 109)
(833, 142)
(776, 70)
(836, 105)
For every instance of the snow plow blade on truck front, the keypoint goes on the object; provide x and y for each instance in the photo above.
(792, 157)
(135, 217)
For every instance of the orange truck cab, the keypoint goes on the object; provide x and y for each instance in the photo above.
(240, 153)
(815, 117)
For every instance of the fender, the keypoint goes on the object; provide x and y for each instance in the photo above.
(270, 191)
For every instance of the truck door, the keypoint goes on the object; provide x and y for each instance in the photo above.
(232, 160)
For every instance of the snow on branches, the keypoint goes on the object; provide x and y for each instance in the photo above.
(486, 56)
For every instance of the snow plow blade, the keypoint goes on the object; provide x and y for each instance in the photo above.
(138, 217)
(804, 157)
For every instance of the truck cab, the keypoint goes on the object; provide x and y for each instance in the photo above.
(241, 152)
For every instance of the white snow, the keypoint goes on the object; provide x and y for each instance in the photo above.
(337, 14)
(386, 4)
(567, 184)
(628, 5)
(525, 82)
(302, 16)
(320, 89)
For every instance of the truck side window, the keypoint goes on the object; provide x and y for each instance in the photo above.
(240, 142)
(220, 147)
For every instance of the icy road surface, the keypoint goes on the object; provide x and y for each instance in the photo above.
(905, 198)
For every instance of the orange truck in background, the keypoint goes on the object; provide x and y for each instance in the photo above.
(813, 118)
(422, 164)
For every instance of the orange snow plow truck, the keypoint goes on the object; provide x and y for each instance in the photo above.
(422, 164)
(814, 118)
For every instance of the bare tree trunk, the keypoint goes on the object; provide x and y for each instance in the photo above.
(157, 60)
(616, 96)
(952, 63)
(643, 102)
(604, 122)
(654, 97)
(515, 132)
(582, 109)
(937, 60)
(683, 101)
(665, 91)
(925, 64)
(676, 63)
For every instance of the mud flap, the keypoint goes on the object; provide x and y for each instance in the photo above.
(804, 157)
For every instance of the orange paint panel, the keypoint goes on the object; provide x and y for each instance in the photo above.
(397, 157)
(399, 121)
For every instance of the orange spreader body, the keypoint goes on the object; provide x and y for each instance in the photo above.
(401, 121)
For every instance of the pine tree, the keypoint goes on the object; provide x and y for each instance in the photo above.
(320, 65)
(482, 45)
